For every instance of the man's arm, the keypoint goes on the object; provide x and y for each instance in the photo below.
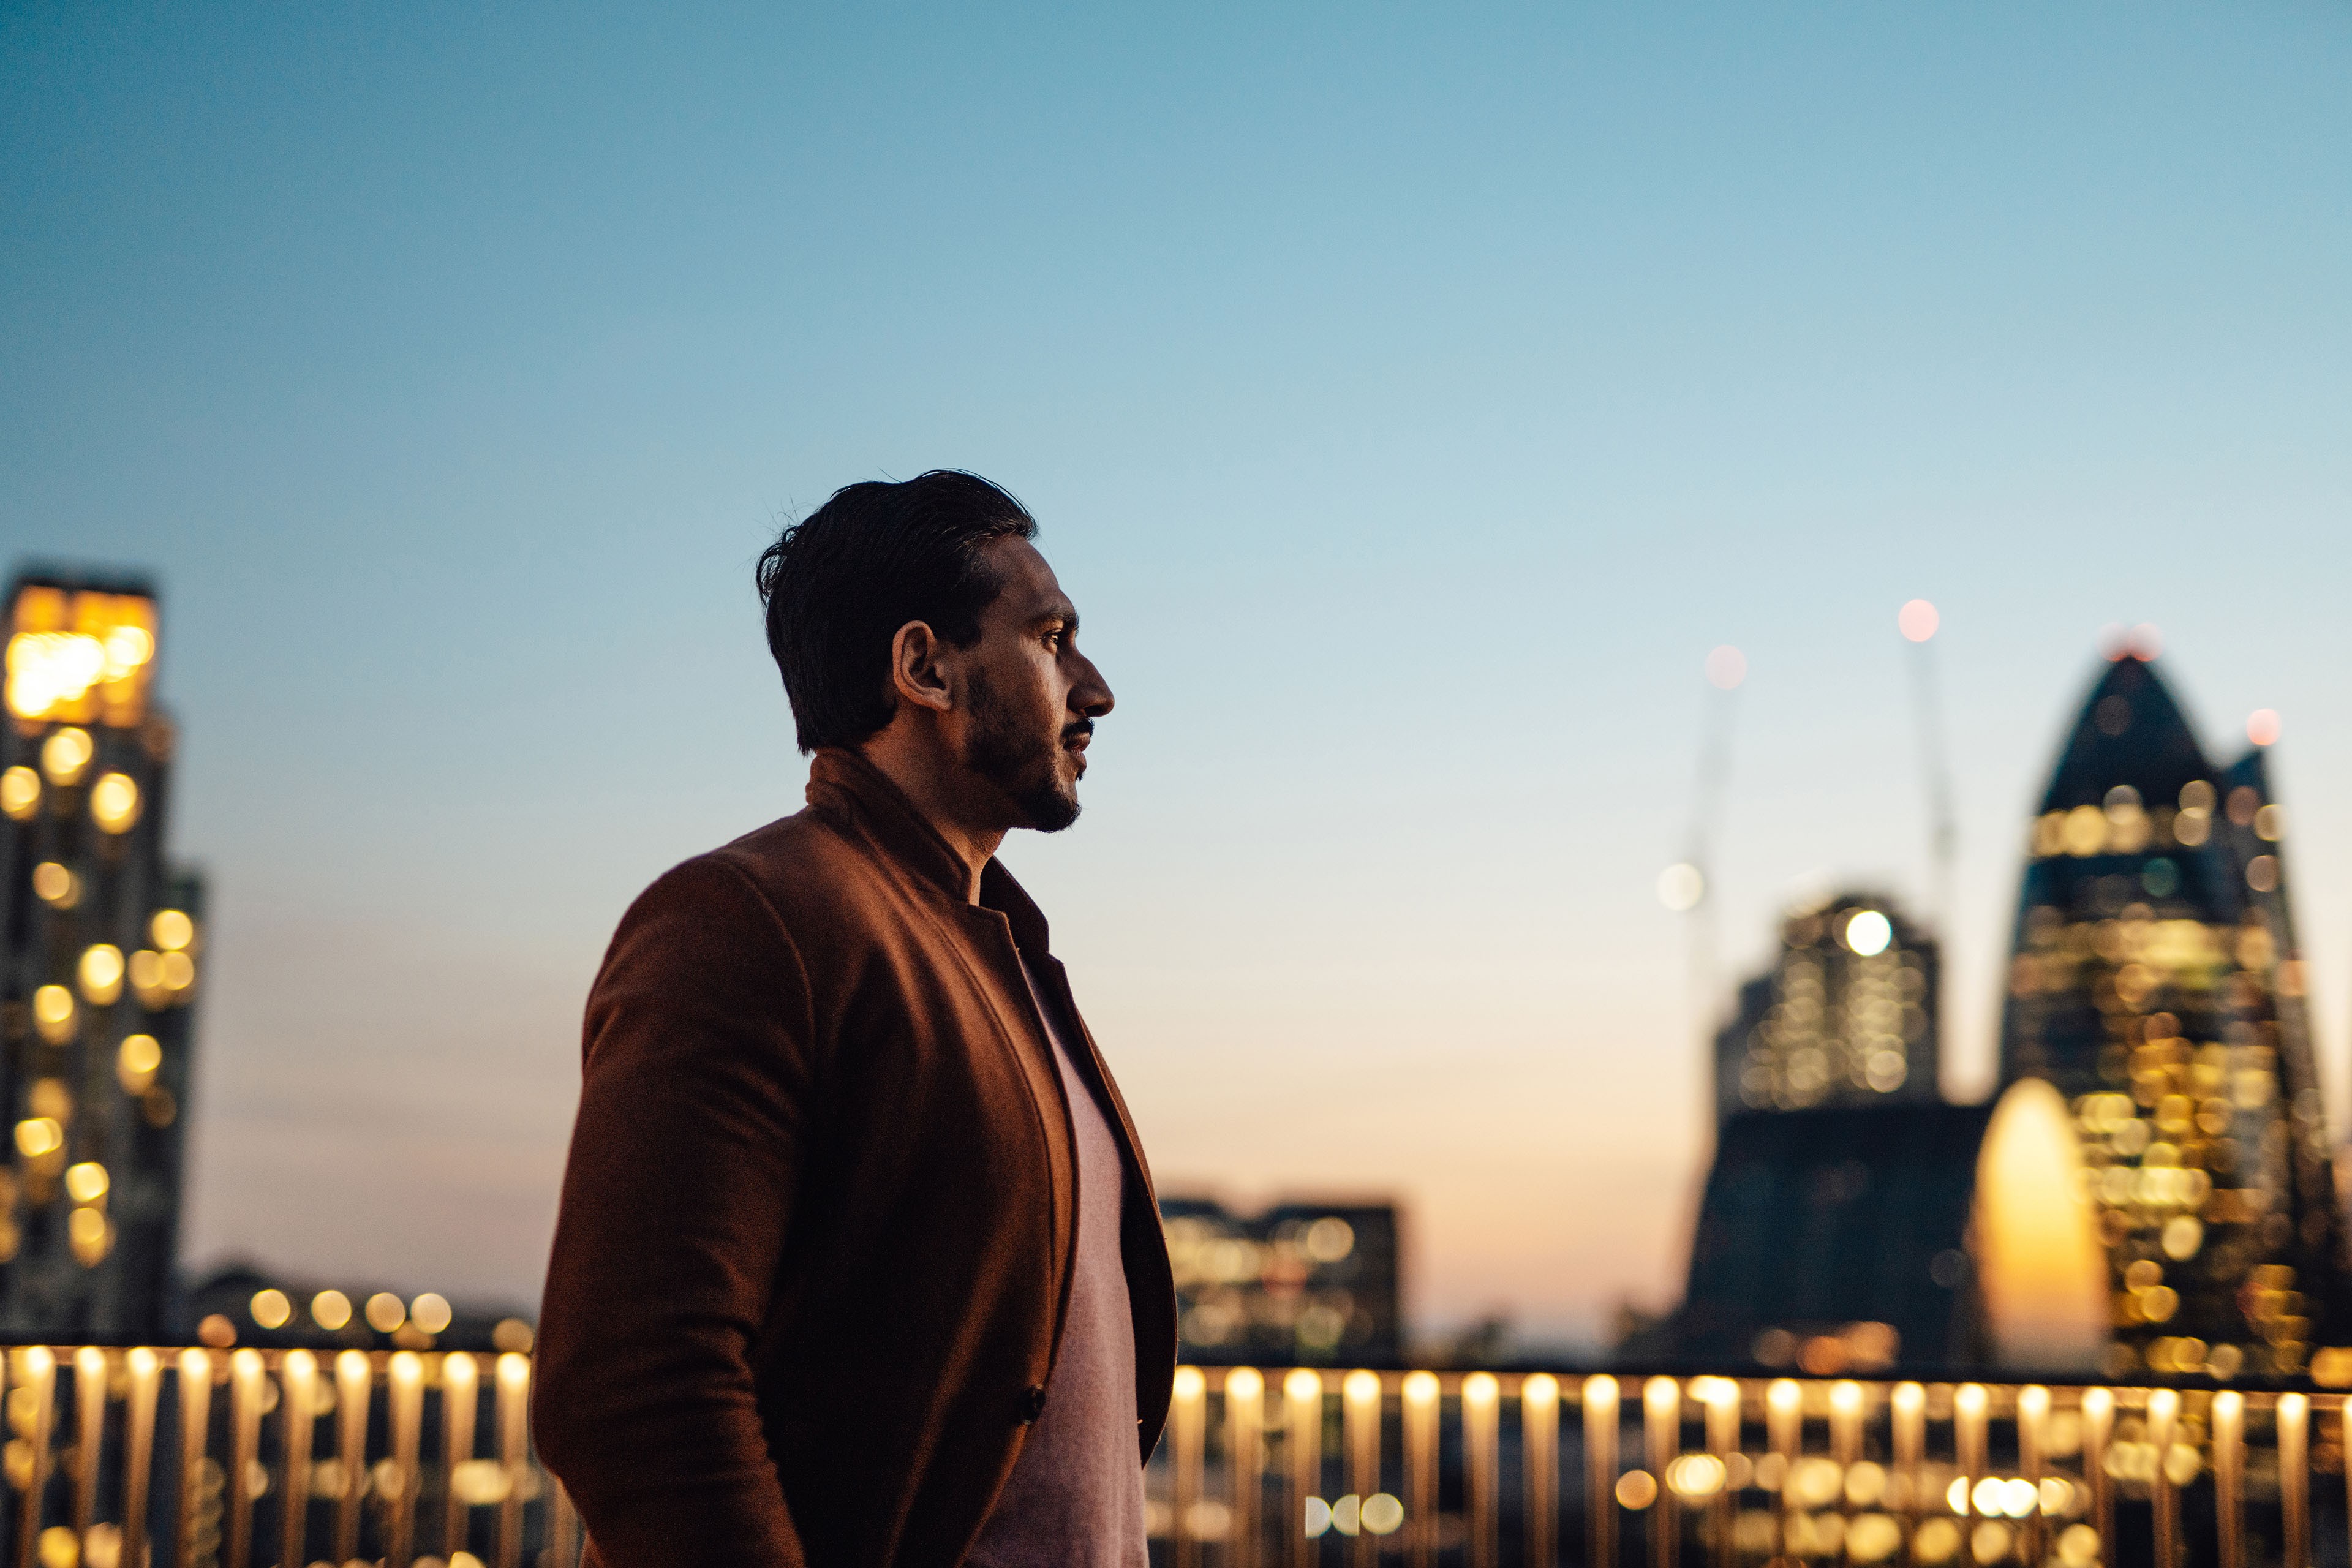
(676, 1199)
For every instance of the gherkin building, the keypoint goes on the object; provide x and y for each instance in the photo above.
(2154, 980)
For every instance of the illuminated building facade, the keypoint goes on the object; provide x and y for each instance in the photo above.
(99, 944)
(1316, 1284)
(1845, 1016)
(2156, 982)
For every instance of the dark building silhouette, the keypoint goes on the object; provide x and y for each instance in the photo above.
(1835, 1241)
(241, 1304)
(1313, 1284)
(1845, 1015)
(2157, 982)
(100, 948)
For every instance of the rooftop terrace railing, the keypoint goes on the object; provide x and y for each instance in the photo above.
(1288, 1468)
(212, 1458)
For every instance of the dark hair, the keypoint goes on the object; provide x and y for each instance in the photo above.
(841, 582)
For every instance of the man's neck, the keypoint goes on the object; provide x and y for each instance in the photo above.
(935, 788)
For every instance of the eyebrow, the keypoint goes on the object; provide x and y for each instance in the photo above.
(1063, 611)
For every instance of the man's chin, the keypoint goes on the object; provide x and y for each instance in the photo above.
(1051, 810)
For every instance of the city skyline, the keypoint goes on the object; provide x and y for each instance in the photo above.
(1409, 408)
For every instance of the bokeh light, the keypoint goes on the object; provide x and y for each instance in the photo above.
(2263, 727)
(1681, 887)
(114, 803)
(1867, 933)
(1917, 620)
(1726, 667)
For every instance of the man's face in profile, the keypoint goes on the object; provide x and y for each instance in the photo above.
(1032, 697)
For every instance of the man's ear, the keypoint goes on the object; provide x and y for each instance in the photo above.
(916, 673)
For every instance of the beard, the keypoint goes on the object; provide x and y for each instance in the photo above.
(1023, 759)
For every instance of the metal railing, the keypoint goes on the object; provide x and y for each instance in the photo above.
(1284, 1468)
(212, 1458)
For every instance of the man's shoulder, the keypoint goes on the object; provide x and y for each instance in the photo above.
(801, 868)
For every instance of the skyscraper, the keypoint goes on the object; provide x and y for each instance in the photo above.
(1845, 1017)
(100, 941)
(2154, 980)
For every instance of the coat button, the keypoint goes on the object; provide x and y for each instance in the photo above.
(1032, 1402)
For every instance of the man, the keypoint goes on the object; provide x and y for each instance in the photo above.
(858, 1261)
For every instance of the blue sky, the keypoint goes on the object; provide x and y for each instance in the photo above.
(1410, 400)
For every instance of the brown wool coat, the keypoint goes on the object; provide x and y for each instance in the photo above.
(817, 1226)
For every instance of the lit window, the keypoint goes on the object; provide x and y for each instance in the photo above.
(114, 803)
(53, 884)
(171, 930)
(79, 655)
(89, 1235)
(20, 793)
(66, 755)
(101, 973)
(136, 1061)
(53, 1013)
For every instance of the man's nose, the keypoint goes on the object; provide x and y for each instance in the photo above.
(1091, 696)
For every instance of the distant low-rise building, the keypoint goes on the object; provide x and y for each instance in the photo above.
(241, 1304)
(1315, 1284)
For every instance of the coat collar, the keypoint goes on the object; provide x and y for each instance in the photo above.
(844, 784)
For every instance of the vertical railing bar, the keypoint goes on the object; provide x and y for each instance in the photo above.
(354, 1381)
(297, 1409)
(1909, 1406)
(1539, 1448)
(514, 1436)
(1482, 1401)
(1601, 1471)
(1722, 1404)
(1784, 1432)
(1302, 1407)
(2099, 1426)
(2032, 1426)
(2163, 1418)
(406, 1401)
(245, 1370)
(196, 1423)
(2293, 1417)
(1661, 1409)
(2229, 1434)
(90, 1432)
(40, 1375)
(1972, 1441)
(1244, 1464)
(1421, 1396)
(1188, 1417)
(1360, 1401)
(460, 1386)
(1846, 1442)
(139, 1453)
